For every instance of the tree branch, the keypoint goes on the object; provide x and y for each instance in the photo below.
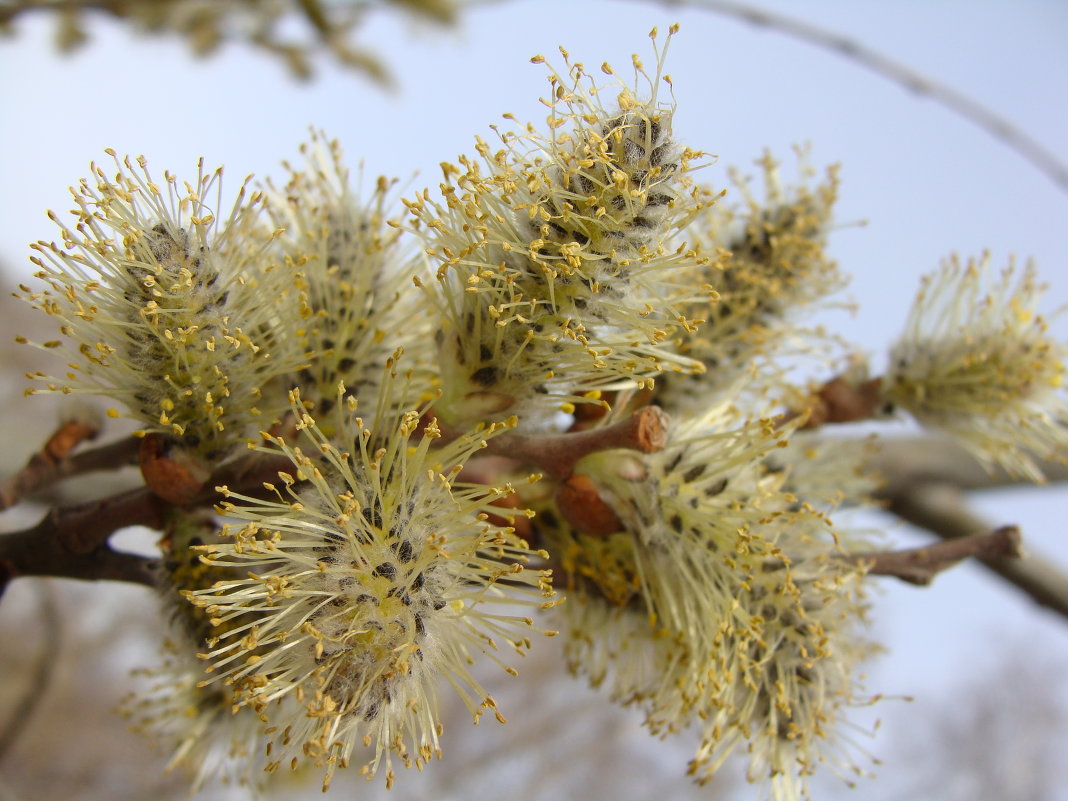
(72, 542)
(645, 430)
(52, 464)
(921, 565)
(925, 482)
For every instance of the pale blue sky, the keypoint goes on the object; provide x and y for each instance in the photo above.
(926, 182)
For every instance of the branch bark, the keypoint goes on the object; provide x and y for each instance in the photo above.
(926, 481)
(48, 466)
(921, 565)
(72, 542)
(645, 430)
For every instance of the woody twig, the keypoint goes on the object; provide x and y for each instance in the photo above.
(921, 565)
(645, 431)
(54, 461)
(72, 542)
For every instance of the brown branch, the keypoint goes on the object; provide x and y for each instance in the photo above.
(72, 542)
(83, 528)
(925, 482)
(52, 464)
(645, 430)
(942, 510)
(22, 555)
(921, 565)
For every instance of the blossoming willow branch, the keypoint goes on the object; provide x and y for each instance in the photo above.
(392, 443)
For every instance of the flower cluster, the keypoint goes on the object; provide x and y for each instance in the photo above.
(173, 312)
(773, 267)
(722, 600)
(369, 577)
(356, 269)
(196, 724)
(978, 361)
(387, 531)
(556, 257)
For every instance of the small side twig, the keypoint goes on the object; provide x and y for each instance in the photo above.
(921, 565)
(54, 461)
(941, 508)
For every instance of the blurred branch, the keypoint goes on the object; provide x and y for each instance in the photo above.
(315, 14)
(906, 462)
(53, 463)
(331, 25)
(926, 479)
(43, 671)
(962, 105)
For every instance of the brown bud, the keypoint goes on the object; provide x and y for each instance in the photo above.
(582, 506)
(840, 401)
(171, 472)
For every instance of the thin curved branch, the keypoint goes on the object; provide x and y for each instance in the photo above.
(43, 671)
(974, 112)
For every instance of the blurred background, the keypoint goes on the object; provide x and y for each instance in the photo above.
(982, 664)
